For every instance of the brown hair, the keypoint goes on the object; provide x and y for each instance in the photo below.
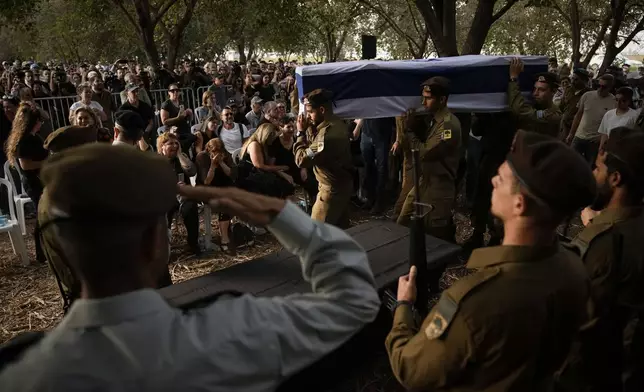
(89, 112)
(214, 146)
(81, 87)
(164, 138)
(207, 94)
(27, 117)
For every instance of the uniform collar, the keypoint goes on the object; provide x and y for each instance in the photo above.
(486, 257)
(86, 313)
(441, 114)
(613, 215)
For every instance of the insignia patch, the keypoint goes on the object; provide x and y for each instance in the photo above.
(436, 327)
(539, 114)
(446, 135)
(541, 79)
(320, 146)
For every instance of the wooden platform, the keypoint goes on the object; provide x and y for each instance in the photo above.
(278, 274)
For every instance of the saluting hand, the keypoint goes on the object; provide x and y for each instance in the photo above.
(407, 286)
(253, 208)
(302, 122)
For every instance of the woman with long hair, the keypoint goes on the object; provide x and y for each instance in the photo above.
(258, 168)
(26, 153)
(208, 108)
(85, 101)
(207, 132)
(215, 167)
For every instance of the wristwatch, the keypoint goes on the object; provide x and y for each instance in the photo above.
(300, 133)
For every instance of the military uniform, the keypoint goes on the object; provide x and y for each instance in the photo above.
(407, 168)
(545, 121)
(509, 325)
(326, 148)
(611, 249)
(439, 157)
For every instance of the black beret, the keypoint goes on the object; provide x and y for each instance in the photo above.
(71, 136)
(319, 97)
(436, 85)
(549, 78)
(552, 172)
(104, 181)
(581, 72)
(627, 146)
(130, 120)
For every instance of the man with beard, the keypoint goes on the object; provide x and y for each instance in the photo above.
(611, 248)
(104, 98)
(509, 325)
(322, 142)
(543, 116)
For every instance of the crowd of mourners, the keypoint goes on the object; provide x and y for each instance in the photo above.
(531, 316)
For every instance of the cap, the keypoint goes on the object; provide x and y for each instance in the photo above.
(318, 97)
(537, 161)
(92, 74)
(219, 76)
(130, 120)
(101, 180)
(231, 102)
(256, 100)
(627, 146)
(549, 78)
(436, 85)
(71, 136)
(581, 72)
(131, 87)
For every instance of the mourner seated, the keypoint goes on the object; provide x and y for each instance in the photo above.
(84, 117)
(122, 334)
(168, 146)
(256, 168)
(215, 167)
(207, 132)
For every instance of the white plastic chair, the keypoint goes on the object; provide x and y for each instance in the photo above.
(13, 228)
(20, 200)
(236, 156)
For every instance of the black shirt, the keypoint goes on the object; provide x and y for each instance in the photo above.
(173, 112)
(31, 147)
(143, 109)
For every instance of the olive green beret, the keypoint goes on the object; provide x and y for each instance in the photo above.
(318, 97)
(104, 181)
(627, 146)
(548, 78)
(70, 136)
(552, 172)
(437, 85)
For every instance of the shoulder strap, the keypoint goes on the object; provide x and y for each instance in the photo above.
(445, 310)
(581, 243)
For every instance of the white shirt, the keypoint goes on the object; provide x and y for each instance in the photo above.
(92, 105)
(138, 342)
(232, 138)
(612, 120)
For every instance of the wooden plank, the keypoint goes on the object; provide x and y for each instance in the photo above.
(278, 274)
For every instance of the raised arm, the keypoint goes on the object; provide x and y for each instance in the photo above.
(281, 336)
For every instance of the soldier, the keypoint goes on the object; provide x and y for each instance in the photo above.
(509, 325)
(401, 146)
(322, 143)
(611, 248)
(122, 332)
(572, 95)
(439, 156)
(543, 116)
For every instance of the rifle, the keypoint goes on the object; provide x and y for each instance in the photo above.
(417, 250)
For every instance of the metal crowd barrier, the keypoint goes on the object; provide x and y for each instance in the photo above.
(58, 107)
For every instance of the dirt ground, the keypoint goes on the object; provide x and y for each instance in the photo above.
(30, 299)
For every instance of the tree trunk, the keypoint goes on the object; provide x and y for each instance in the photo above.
(575, 32)
(241, 49)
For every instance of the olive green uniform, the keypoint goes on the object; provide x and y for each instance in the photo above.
(326, 149)
(439, 158)
(543, 121)
(407, 169)
(507, 327)
(569, 110)
(611, 249)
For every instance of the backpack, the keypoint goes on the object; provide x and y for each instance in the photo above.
(239, 125)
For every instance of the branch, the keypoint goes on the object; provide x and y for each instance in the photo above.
(599, 39)
(162, 10)
(637, 29)
(503, 10)
(390, 22)
(413, 17)
(129, 17)
(561, 12)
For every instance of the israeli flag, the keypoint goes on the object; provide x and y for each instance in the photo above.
(375, 89)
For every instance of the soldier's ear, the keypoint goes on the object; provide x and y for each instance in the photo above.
(322, 110)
